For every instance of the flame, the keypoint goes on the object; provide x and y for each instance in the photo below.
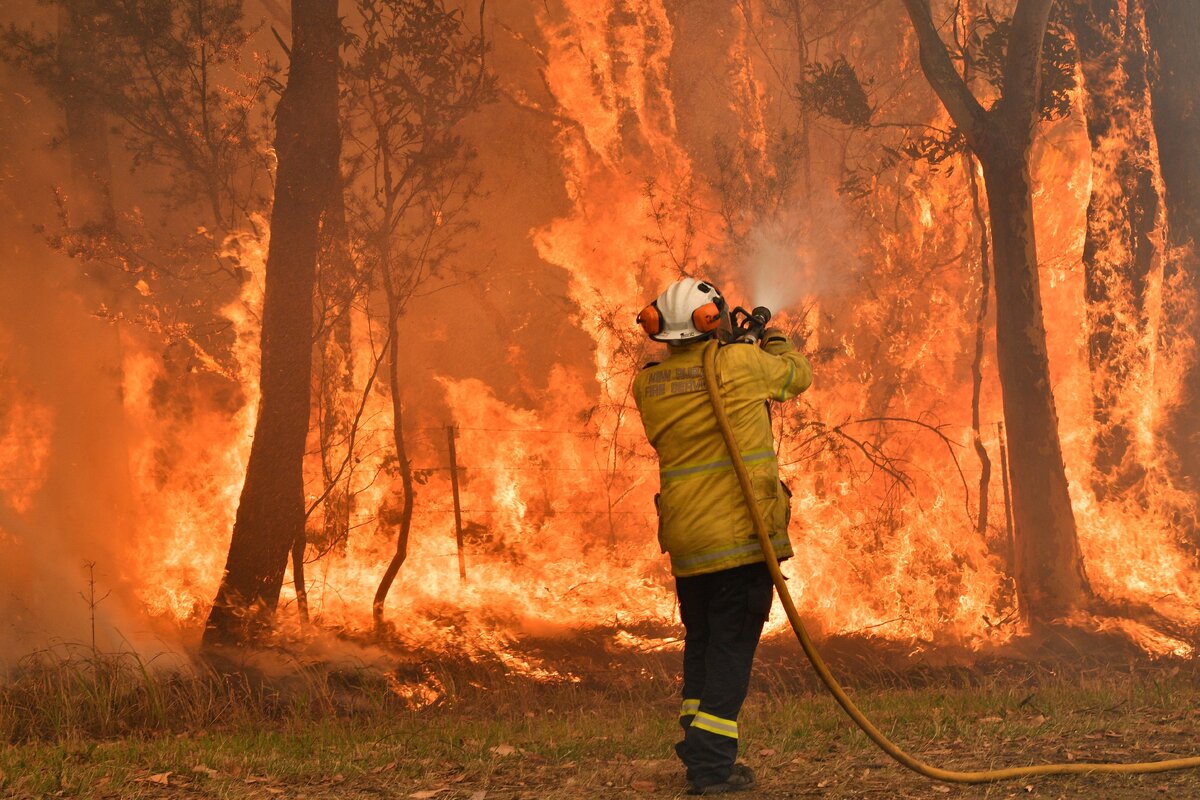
(26, 434)
(556, 487)
(190, 467)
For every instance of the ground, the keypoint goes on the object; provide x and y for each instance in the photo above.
(605, 733)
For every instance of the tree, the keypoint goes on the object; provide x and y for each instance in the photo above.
(337, 287)
(1122, 218)
(1174, 27)
(1050, 578)
(270, 515)
(87, 121)
(169, 74)
(168, 78)
(415, 74)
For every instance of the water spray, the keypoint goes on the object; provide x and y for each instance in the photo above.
(860, 719)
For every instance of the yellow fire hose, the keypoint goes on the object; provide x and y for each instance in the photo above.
(839, 694)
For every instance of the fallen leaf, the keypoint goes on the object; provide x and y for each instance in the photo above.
(1029, 788)
(425, 794)
(203, 770)
(991, 719)
(643, 786)
(481, 795)
(1040, 719)
(503, 750)
(384, 768)
(823, 784)
(163, 778)
(942, 789)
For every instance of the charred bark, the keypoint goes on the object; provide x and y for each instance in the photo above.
(298, 548)
(1047, 560)
(985, 293)
(1123, 211)
(1173, 27)
(270, 516)
(1048, 565)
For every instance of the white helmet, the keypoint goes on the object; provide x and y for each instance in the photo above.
(688, 310)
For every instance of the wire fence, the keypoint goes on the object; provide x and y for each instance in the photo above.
(634, 467)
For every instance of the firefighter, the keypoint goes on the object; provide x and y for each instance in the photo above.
(724, 588)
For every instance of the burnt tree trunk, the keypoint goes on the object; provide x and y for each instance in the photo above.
(1048, 566)
(90, 202)
(334, 387)
(1173, 27)
(1047, 561)
(401, 522)
(1123, 212)
(985, 293)
(270, 515)
(336, 374)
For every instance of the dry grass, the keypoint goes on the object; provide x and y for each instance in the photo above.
(79, 725)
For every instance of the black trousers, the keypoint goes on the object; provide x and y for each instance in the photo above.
(723, 615)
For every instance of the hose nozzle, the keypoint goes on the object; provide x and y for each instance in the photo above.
(749, 325)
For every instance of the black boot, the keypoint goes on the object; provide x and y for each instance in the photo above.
(740, 779)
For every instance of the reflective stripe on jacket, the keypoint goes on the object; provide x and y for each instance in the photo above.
(704, 523)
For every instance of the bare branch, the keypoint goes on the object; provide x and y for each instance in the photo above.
(956, 96)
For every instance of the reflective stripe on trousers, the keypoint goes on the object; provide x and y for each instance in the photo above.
(714, 724)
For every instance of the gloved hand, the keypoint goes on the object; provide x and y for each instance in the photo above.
(776, 342)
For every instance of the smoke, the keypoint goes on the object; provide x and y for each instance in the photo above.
(775, 271)
(792, 264)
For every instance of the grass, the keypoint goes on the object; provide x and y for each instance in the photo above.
(79, 725)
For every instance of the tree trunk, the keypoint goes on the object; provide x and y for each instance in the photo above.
(270, 514)
(336, 373)
(1174, 30)
(1123, 212)
(403, 525)
(985, 293)
(90, 202)
(1049, 567)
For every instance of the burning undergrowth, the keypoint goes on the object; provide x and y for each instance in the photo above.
(527, 548)
(73, 692)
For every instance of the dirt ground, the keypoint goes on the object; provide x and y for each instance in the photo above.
(608, 731)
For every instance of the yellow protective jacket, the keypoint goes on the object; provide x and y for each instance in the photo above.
(703, 521)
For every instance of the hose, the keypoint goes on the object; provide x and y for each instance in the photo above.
(883, 742)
